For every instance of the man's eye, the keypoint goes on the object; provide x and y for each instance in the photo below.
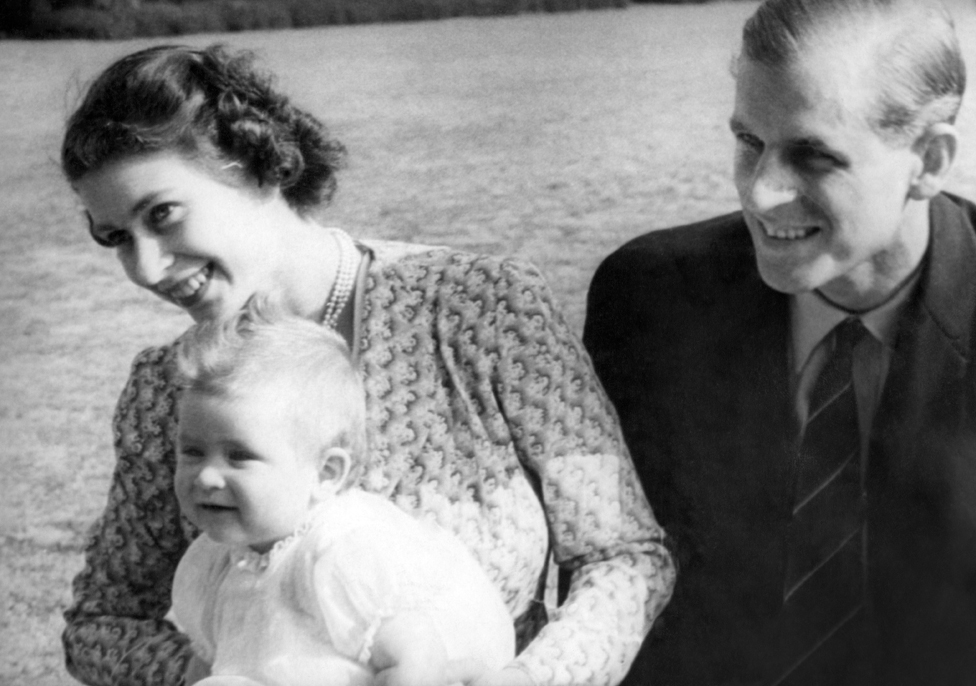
(814, 158)
(749, 141)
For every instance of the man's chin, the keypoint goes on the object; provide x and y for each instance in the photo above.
(790, 280)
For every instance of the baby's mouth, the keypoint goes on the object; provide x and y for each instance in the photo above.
(215, 507)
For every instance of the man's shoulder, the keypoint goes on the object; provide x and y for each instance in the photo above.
(955, 206)
(712, 237)
(719, 247)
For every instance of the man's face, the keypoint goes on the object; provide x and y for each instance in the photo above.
(825, 198)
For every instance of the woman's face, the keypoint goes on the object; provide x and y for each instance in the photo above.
(181, 233)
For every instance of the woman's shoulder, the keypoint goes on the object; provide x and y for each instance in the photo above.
(427, 266)
(153, 367)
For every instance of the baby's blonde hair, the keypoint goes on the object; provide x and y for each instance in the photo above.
(307, 365)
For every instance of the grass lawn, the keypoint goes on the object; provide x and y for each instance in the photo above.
(553, 137)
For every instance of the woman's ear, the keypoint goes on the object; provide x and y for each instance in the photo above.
(334, 465)
(936, 148)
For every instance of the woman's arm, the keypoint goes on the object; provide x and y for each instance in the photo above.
(116, 632)
(601, 525)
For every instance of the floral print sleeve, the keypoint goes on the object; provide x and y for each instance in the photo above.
(566, 433)
(116, 631)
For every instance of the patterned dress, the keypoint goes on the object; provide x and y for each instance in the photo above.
(484, 415)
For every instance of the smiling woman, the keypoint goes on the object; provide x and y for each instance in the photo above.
(178, 231)
(483, 412)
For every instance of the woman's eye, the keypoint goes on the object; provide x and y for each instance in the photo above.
(107, 237)
(111, 239)
(162, 213)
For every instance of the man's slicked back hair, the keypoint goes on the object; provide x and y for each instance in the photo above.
(919, 66)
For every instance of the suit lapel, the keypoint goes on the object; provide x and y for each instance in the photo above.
(922, 470)
(932, 346)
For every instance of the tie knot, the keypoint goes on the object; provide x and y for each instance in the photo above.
(848, 334)
(837, 371)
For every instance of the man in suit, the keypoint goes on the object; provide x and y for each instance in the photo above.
(818, 482)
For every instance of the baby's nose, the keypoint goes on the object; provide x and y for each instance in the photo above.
(210, 479)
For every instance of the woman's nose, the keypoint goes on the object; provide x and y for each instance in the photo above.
(147, 261)
(771, 185)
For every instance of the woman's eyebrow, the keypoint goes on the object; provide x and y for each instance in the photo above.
(145, 202)
(135, 211)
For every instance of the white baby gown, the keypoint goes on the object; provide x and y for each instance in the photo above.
(306, 612)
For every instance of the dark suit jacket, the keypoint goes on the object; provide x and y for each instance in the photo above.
(692, 348)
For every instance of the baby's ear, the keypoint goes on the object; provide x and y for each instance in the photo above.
(334, 466)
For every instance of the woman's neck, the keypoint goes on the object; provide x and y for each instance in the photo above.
(307, 270)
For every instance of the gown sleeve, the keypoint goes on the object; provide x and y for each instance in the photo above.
(357, 588)
(116, 627)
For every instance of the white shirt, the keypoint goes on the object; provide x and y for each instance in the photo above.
(812, 318)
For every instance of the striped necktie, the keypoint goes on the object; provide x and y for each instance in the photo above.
(824, 585)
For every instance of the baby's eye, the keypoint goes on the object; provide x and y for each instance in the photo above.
(190, 453)
(239, 456)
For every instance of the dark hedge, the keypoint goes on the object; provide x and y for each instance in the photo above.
(114, 19)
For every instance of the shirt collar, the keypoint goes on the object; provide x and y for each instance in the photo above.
(812, 318)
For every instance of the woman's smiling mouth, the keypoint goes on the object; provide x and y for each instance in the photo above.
(188, 291)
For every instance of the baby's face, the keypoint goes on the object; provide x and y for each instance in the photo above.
(240, 475)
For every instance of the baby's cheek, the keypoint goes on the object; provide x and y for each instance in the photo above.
(182, 484)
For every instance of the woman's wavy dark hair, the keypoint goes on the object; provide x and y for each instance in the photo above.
(204, 104)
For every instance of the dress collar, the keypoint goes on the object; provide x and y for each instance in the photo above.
(245, 558)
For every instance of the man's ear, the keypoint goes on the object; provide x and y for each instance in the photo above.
(334, 466)
(936, 148)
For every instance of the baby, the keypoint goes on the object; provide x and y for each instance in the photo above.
(299, 579)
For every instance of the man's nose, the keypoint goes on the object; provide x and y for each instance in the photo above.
(771, 185)
(147, 261)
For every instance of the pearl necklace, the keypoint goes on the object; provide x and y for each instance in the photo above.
(344, 279)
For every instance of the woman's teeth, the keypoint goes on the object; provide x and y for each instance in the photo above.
(191, 286)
